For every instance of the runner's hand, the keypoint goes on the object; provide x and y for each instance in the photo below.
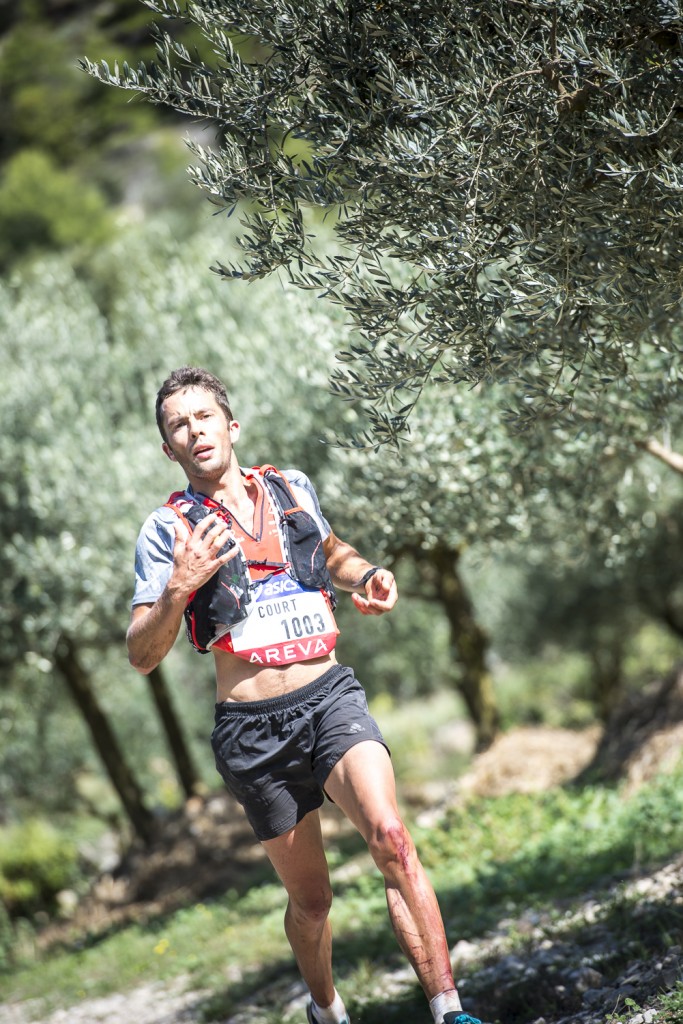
(381, 594)
(197, 556)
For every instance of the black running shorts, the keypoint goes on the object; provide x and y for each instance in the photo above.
(275, 755)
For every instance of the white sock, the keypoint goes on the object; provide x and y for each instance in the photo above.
(443, 1003)
(335, 1013)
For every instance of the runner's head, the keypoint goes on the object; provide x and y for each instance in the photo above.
(191, 377)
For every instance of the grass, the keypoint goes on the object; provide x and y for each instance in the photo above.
(489, 860)
(671, 1006)
(669, 1009)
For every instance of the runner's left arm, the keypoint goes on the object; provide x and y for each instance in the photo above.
(377, 595)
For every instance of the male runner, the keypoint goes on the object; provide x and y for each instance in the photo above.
(291, 723)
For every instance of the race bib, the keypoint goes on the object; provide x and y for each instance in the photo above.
(285, 624)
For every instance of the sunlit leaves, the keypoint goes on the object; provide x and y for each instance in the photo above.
(522, 164)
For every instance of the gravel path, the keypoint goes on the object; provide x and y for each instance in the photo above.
(147, 1004)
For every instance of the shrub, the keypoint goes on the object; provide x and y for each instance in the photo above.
(36, 862)
(43, 206)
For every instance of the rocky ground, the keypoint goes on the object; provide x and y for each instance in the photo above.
(580, 959)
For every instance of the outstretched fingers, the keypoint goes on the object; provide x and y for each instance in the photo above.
(197, 556)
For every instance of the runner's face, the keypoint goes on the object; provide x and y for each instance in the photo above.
(199, 437)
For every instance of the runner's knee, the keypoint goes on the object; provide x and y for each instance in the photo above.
(393, 849)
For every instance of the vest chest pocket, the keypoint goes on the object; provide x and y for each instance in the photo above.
(222, 601)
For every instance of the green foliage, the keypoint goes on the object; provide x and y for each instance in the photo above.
(406, 654)
(672, 1006)
(566, 544)
(428, 735)
(59, 374)
(42, 93)
(6, 937)
(36, 862)
(38, 769)
(45, 207)
(541, 848)
(69, 151)
(505, 183)
(553, 689)
(587, 607)
(47, 102)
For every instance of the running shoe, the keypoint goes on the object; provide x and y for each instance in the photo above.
(312, 1019)
(454, 1017)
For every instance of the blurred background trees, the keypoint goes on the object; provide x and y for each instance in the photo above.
(539, 568)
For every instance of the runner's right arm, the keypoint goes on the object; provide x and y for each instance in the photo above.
(154, 627)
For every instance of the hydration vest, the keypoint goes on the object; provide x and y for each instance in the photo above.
(226, 598)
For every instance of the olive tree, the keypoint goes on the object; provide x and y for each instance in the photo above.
(70, 431)
(503, 180)
(57, 583)
(585, 513)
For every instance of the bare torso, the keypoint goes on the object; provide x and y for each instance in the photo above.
(237, 679)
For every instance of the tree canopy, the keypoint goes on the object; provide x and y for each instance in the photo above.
(504, 181)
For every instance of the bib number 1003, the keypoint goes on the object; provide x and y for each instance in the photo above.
(306, 625)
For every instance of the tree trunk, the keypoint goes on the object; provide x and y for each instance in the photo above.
(180, 752)
(106, 744)
(469, 642)
(607, 679)
(672, 619)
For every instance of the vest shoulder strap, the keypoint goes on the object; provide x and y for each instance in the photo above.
(282, 491)
(174, 503)
(267, 472)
